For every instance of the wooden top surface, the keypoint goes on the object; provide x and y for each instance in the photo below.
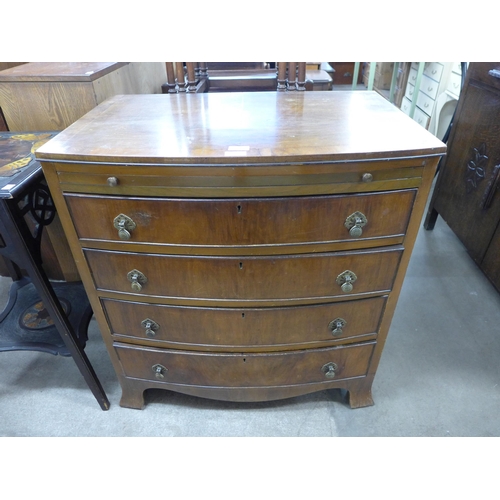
(58, 71)
(242, 128)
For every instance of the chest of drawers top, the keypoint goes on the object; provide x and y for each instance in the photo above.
(242, 129)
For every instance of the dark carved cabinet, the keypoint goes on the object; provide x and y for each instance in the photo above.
(466, 193)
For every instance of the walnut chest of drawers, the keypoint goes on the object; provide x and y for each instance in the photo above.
(243, 246)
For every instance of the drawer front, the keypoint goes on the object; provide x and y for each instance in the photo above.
(434, 70)
(245, 222)
(244, 278)
(245, 370)
(454, 84)
(406, 106)
(425, 103)
(421, 118)
(238, 328)
(410, 92)
(429, 87)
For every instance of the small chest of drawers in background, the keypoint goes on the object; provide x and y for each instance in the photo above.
(440, 83)
(247, 246)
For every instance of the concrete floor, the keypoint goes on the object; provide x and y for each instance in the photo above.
(439, 374)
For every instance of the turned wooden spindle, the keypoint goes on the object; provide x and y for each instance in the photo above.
(281, 77)
(191, 77)
(292, 76)
(170, 78)
(301, 76)
(179, 73)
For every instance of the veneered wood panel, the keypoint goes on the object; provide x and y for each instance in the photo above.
(242, 127)
(207, 328)
(245, 370)
(245, 277)
(247, 222)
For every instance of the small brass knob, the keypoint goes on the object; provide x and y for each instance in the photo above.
(355, 231)
(159, 371)
(367, 177)
(329, 370)
(113, 181)
(137, 279)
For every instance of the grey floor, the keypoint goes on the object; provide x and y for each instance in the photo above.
(439, 374)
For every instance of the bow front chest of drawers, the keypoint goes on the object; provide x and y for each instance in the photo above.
(243, 246)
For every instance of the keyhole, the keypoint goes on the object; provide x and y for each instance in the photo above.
(241, 265)
(239, 209)
(242, 315)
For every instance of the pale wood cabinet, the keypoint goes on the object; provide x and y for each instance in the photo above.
(51, 96)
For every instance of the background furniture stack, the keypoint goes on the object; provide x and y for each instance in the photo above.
(194, 77)
(432, 93)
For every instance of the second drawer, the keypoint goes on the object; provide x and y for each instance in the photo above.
(246, 278)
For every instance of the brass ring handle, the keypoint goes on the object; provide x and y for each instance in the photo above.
(159, 371)
(355, 222)
(337, 326)
(346, 280)
(329, 370)
(150, 327)
(137, 279)
(125, 225)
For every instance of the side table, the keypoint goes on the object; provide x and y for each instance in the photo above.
(50, 323)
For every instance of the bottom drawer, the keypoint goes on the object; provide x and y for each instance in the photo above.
(245, 370)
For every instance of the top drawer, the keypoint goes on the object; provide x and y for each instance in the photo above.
(243, 223)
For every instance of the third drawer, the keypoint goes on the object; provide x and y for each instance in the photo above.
(205, 328)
